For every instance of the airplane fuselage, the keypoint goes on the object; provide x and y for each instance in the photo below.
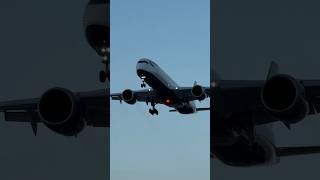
(163, 85)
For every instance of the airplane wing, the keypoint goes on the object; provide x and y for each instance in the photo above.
(290, 151)
(312, 88)
(294, 151)
(237, 96)
(94, 106)
(185, 93)
(149, 95)
(145, 95)
(245, 96)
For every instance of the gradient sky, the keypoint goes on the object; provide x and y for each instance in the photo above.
(175, 34)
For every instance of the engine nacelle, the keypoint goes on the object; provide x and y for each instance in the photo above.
(198, 92)
(242, 154)
(60, 111)
(283, 96)
(97, 25)
(128, 96)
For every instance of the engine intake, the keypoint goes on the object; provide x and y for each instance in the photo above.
(128, 96)
(60, 111)
(198, 92)
(283, 96)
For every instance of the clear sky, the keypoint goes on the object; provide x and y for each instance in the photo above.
(174, 34)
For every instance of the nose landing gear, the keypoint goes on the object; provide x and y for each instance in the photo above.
(143, 77)
(104, 74)
(143, 85)
(153, 110)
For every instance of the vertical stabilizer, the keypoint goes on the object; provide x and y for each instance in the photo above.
(273, 69)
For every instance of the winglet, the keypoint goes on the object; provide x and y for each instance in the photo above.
(273, 69)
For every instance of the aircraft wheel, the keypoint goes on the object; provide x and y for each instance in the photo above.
(102, 76)
(156, 112)
(151, 111)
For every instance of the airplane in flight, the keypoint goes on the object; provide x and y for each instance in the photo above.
(243, 112)
(163, 91)
(61, 110)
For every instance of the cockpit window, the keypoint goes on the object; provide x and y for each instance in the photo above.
(143, 61)
(152, 64)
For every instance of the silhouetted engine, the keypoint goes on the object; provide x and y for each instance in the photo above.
(240, 153)
(97, 25)
(128, 96)
(60, 111)
(283, 96)
(198, 92)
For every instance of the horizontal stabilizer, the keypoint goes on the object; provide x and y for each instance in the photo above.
(203, 109)
(198, 109)
(293, 151)
(22, 116)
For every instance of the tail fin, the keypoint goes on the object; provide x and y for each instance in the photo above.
(273, 69)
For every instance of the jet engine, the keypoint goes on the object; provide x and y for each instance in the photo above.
(59, 110)
(240, 153)
(283, 96)
(97, 26)
(198, 92)
(128, 96)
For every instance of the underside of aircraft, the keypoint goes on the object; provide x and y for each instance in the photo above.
(240, 106)
(163, 91)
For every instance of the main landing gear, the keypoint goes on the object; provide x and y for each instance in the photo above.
(104, 74)
(153, 110)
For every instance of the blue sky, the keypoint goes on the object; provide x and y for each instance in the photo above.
(174, 34)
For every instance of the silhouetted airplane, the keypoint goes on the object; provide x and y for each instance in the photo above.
(241, 106)
(164, 90)
(97, 31)
(61, 110)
